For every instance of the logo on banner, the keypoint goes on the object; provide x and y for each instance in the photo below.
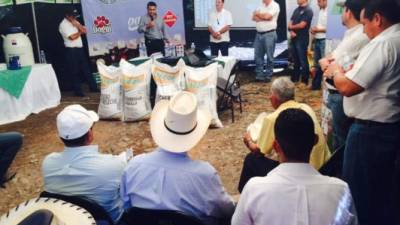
(170, 19)
(133, 23)
(102, 25)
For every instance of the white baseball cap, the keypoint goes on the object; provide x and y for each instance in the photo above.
(74, 121)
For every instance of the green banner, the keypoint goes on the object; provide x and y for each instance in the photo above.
(77, 1)
(46, 1)
(64, 1)
(6, 2)
(19, 2)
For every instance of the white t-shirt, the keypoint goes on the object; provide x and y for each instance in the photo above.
(273, 9)
(292, 194)
(377, 70)
(354, 40)
(217, 21)
(322, 22)
(66, 29)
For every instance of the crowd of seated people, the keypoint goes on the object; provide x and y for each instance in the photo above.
(169, 179)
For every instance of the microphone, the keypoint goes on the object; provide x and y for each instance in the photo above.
(151, 18)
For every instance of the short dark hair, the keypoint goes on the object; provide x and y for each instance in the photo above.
(294, 131)
(70, 12)
(355, 7)
(151, 4)
(80, 141)
(387, 8)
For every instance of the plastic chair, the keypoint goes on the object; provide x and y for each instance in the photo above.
(98, 212)
(230, 93)
(140, 216)
(40, 217)
(333, 167)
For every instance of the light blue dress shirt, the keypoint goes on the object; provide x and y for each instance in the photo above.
(85, 172)
(165, 180)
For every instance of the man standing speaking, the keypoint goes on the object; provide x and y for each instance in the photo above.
(153, 28)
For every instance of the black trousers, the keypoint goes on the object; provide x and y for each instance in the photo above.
(154, 45)
(255, 165)
(78, 66)
(10, 143)
(221, 46)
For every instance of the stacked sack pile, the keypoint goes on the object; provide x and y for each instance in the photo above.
(125, 90)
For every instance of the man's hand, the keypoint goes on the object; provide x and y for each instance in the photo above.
(249, 143)
(256, 18)
(332, 69)
(293, 35)
(324, 62)
(151, 24)
(313, 30)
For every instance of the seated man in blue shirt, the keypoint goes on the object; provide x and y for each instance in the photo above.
(80, 170)
(167, 178)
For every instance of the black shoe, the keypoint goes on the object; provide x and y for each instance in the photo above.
(6, 178)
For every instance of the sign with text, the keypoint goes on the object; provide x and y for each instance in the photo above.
(114, 23)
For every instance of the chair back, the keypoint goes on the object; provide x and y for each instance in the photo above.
(333, 167)
(40, 217)
(96, 210)
(140, 216)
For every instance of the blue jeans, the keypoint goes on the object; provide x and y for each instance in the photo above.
(10, 143)
(299, 53)
(371, 168)
(340, 122)
(264, 44)
(319, 53)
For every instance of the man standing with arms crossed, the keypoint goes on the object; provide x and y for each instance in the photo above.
(299, 26)
(372, 97)
(266, 17)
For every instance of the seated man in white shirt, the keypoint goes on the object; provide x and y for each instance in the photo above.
(294, 192)
(80, 170)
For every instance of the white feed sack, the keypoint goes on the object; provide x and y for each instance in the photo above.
(169, 80)
(203, 83)
(110, 106)
(136, 86)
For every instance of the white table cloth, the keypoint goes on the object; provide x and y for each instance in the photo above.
(40, 92)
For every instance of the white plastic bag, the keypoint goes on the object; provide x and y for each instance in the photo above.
(136, 86)
(110, 106)
(169, 80)
(203, 83)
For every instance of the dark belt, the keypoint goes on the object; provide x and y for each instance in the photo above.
(332, 92)
(265, 32)
(373, 123)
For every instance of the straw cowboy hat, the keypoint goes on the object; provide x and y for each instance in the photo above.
(178, 125)
(62, 213)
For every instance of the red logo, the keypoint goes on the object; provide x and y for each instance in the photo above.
(170, 19)
(101, 25)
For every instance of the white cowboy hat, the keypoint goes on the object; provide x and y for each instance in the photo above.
(63, 212)
(178, 125)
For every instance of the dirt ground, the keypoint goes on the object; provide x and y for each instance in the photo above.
(223, 148)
